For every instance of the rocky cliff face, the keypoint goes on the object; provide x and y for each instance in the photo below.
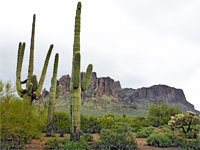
(103, 86)
(107, 86)
(157, 93)
(97, 87)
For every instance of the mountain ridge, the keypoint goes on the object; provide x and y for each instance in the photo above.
(106, 91)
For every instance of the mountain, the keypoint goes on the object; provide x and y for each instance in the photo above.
(106, 95)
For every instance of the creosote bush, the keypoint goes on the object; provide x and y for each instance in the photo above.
(61, 123)
(108, 121)
(20, 121)
(88, 137)
(159, 140)
(160, 115)
(66, 144)
(90, 124)
(119, 138)
(144, 132)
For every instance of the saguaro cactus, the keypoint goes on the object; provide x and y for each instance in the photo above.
(76, 86)
(33, 89)
(54, 94)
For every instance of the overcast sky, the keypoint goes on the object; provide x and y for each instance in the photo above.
(138, 42)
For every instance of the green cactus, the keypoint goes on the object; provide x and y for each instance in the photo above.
(76, 86)
(54, 94)
(33, 89)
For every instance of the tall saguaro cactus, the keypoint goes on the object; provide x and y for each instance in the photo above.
(33, 89)
(76, 86)
(54, 94)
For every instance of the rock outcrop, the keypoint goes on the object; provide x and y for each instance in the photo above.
(65, 82)
(157, 93)
(45, 92)
(98, 86)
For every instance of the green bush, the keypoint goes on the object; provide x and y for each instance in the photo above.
(119, 138)
(61, 123)
(191, 144)
(144, 132)
(80, 145)
(160, 114)
(54, 143)
(107, 121)
(90, 124)
(87, 137)
(176, 139)
(66, 144)
(20, 121)
(139, 122)
(159, 140)
(173, 135)
(141, 134)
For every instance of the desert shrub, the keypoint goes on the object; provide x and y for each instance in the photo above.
(141, 134)
(42, 119)
(160, 115)
(136, 123)
(90, 124)
(80, 145)
(61, 123)
(54, 143)
(175, 136)
(107, 121)
(148, 130)
(119, 138)
(176, 139)
(88, 137)
(191, 144)
(65, 144)
(144, 132)
(159, 140)
(165, 128)
(19, 121)
(123, 118)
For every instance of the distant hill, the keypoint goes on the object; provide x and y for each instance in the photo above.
(105, 95)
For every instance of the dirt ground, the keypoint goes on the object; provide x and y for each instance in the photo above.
(40, 144)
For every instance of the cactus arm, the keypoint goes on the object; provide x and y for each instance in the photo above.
(76, 71)
(19, 68)
(51, 107)
(31, 58)
(58, 92)
(86, 80)
(40, 85)
(76, 46)
(34, 82)
(30, 88)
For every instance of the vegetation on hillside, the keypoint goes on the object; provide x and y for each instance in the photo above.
(21, 122)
